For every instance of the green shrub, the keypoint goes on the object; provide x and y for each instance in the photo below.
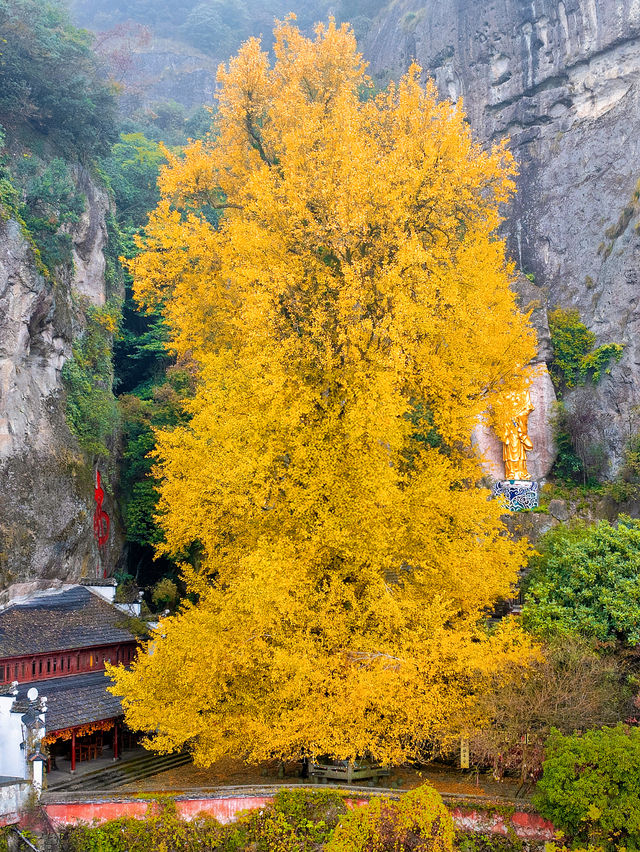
(297, 821)
(418, 821)
(113, 271)
(53, 193)
(626, 485)
(574, 358)
(9, 198)
(132, 168)
(471, 841)
(159, 832)
(586, 580)
(590, 787)
(165, 594)
(52, 200)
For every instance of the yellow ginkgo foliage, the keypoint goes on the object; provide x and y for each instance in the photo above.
(328, 262)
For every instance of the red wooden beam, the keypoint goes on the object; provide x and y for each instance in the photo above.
(28, 659)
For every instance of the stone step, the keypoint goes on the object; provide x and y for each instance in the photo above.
(127, 777)
(126, 772)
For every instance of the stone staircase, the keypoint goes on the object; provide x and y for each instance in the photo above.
(122, 772)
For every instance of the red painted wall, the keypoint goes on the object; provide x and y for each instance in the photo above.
(224, 810)
(71, 813)
(528, 826)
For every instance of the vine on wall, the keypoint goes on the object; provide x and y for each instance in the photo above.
(576, 363)
(91, 408)
(574, 358)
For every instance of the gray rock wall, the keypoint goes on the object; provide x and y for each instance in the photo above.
(46, 483)
(165, 70)
(561, 78)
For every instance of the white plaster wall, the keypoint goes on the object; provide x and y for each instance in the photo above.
(107, 593)
(13, 797)
(12, 759)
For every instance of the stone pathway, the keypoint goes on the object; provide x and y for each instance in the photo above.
(231, 773)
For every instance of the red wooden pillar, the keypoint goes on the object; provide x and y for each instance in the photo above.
(73, 750)
(115, 741)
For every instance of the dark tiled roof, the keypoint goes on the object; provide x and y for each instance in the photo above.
(57, 621)
(73, 700)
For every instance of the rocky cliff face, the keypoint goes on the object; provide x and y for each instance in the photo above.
(561, 78)
(165, 70)
(46, 483)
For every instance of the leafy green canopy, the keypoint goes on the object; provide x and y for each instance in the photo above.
(132, 168)
(52, 200)
(156, 404)
(50, 78)
(148, 396)
(590, 788)
(587, 580)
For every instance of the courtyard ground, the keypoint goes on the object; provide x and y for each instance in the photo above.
(234, 773)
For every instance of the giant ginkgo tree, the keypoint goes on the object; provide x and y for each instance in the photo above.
(328, 264)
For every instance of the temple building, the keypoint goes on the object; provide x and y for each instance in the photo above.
(58, 641)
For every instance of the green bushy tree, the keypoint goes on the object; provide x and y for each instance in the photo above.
(156, 404)
(50, 78)
(132, 168)
(586, 580)
(590, 787)
(52, 200)
(165, 594)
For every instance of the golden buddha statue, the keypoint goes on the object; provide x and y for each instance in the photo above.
(511, 426)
